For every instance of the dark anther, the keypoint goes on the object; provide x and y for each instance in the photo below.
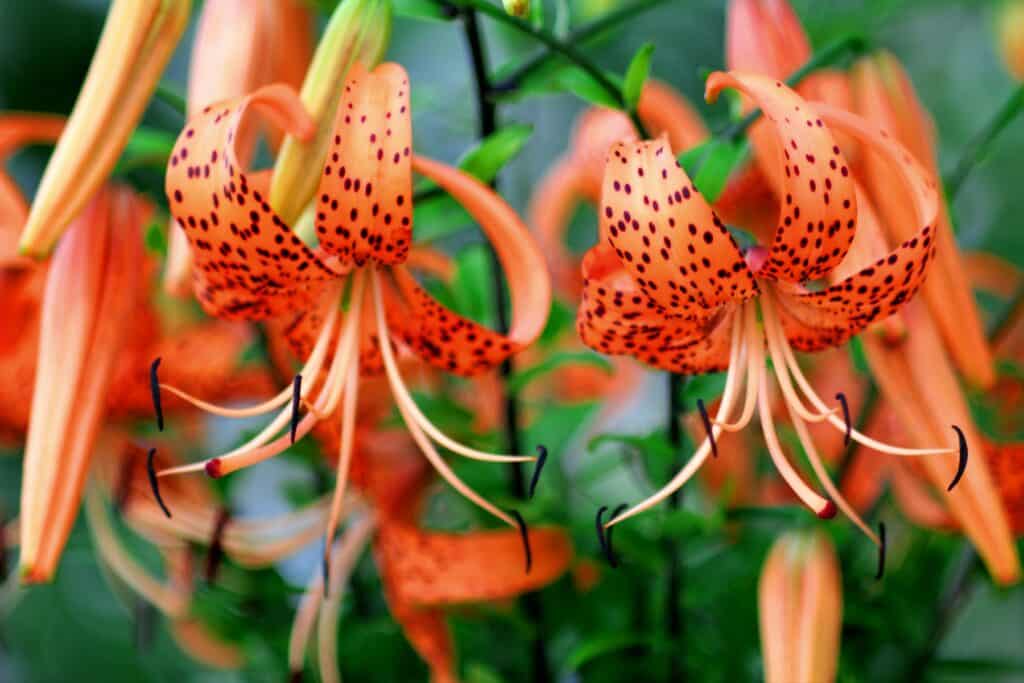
(707, 427)
(962, 465)
(154, 388)
(295, 677)
(124, 482)
(296, 397)
(326, 569)
(215, 554)
(881, 551)
(613, 560)
(604, 540)
(841, 397)
(524, 534)
(154, 484)
(542, 457)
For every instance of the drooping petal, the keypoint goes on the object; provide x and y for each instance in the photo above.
(89, 298)
(819, 209)
(450, 341)
(667, 237)
(616, 317)
(885, 96)
(764, 36)
(433, 569)
(228, 60)
(138, 38)
(814, 320)
(1004, 459)
(364, 205)
(250, 265)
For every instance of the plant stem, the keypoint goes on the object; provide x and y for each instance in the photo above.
(550, 41)
(488, 118)
(852, 44)
(674, 623)
(954, 597)
(979, 145)
(579, 35)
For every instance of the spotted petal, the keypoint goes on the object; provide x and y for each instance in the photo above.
(668, 238)
(249, 264)
(818, 203)
(815, 320)
(617, 318)
(364, 210)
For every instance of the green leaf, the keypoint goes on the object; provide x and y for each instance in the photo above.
(425, 10)
(156, 237)
(490, 156)
(521, 379)
(604, 645)
(147, 147)
(581, 84)
(654, 444)
(636, 75)
(711, 164)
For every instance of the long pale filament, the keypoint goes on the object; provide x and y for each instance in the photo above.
(733, 379)
(414, 427)
(750, 349)
(310, 370)
(839, 424)
(343, 563)
(805, 493)
(348, 430)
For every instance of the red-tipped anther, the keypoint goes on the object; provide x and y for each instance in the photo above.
(213, 468)
(827, 512)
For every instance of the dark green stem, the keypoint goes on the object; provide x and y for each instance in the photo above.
(830, 54)
(172, 98)
(674, 622)
(582, 34)
(551, 42)
(488, 117)
(979, 145)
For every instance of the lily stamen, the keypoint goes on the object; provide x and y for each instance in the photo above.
(154, 482)
(707, 426)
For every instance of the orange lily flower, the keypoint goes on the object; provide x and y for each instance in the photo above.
(884, 94)
(669, 285)
(138, 38)
(800, 605)
(229, 59)
(251, 266)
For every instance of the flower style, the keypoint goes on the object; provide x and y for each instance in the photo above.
(251, 266)
(669, 285)
(800, 608)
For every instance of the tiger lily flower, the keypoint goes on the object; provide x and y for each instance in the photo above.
(669, 285)
(883, 94)
(251, 266)
(138, 38)
(800, 607)
(229, 59)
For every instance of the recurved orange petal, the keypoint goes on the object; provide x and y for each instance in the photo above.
(819, 206)
(250, 265)
(364, 209)
(815, 320)
(666, 236)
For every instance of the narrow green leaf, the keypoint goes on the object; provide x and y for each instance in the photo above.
(425, 10)
(604, 645)
(636, 75)
(490, 156)
(581, 84)
(553, 362)
(711, 164)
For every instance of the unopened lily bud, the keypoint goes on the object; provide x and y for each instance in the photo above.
(800, 605)
(517, 8)
(1011, 37)
(138, 39)
(359, 32)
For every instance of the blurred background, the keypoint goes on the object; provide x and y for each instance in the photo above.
(78, 629)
